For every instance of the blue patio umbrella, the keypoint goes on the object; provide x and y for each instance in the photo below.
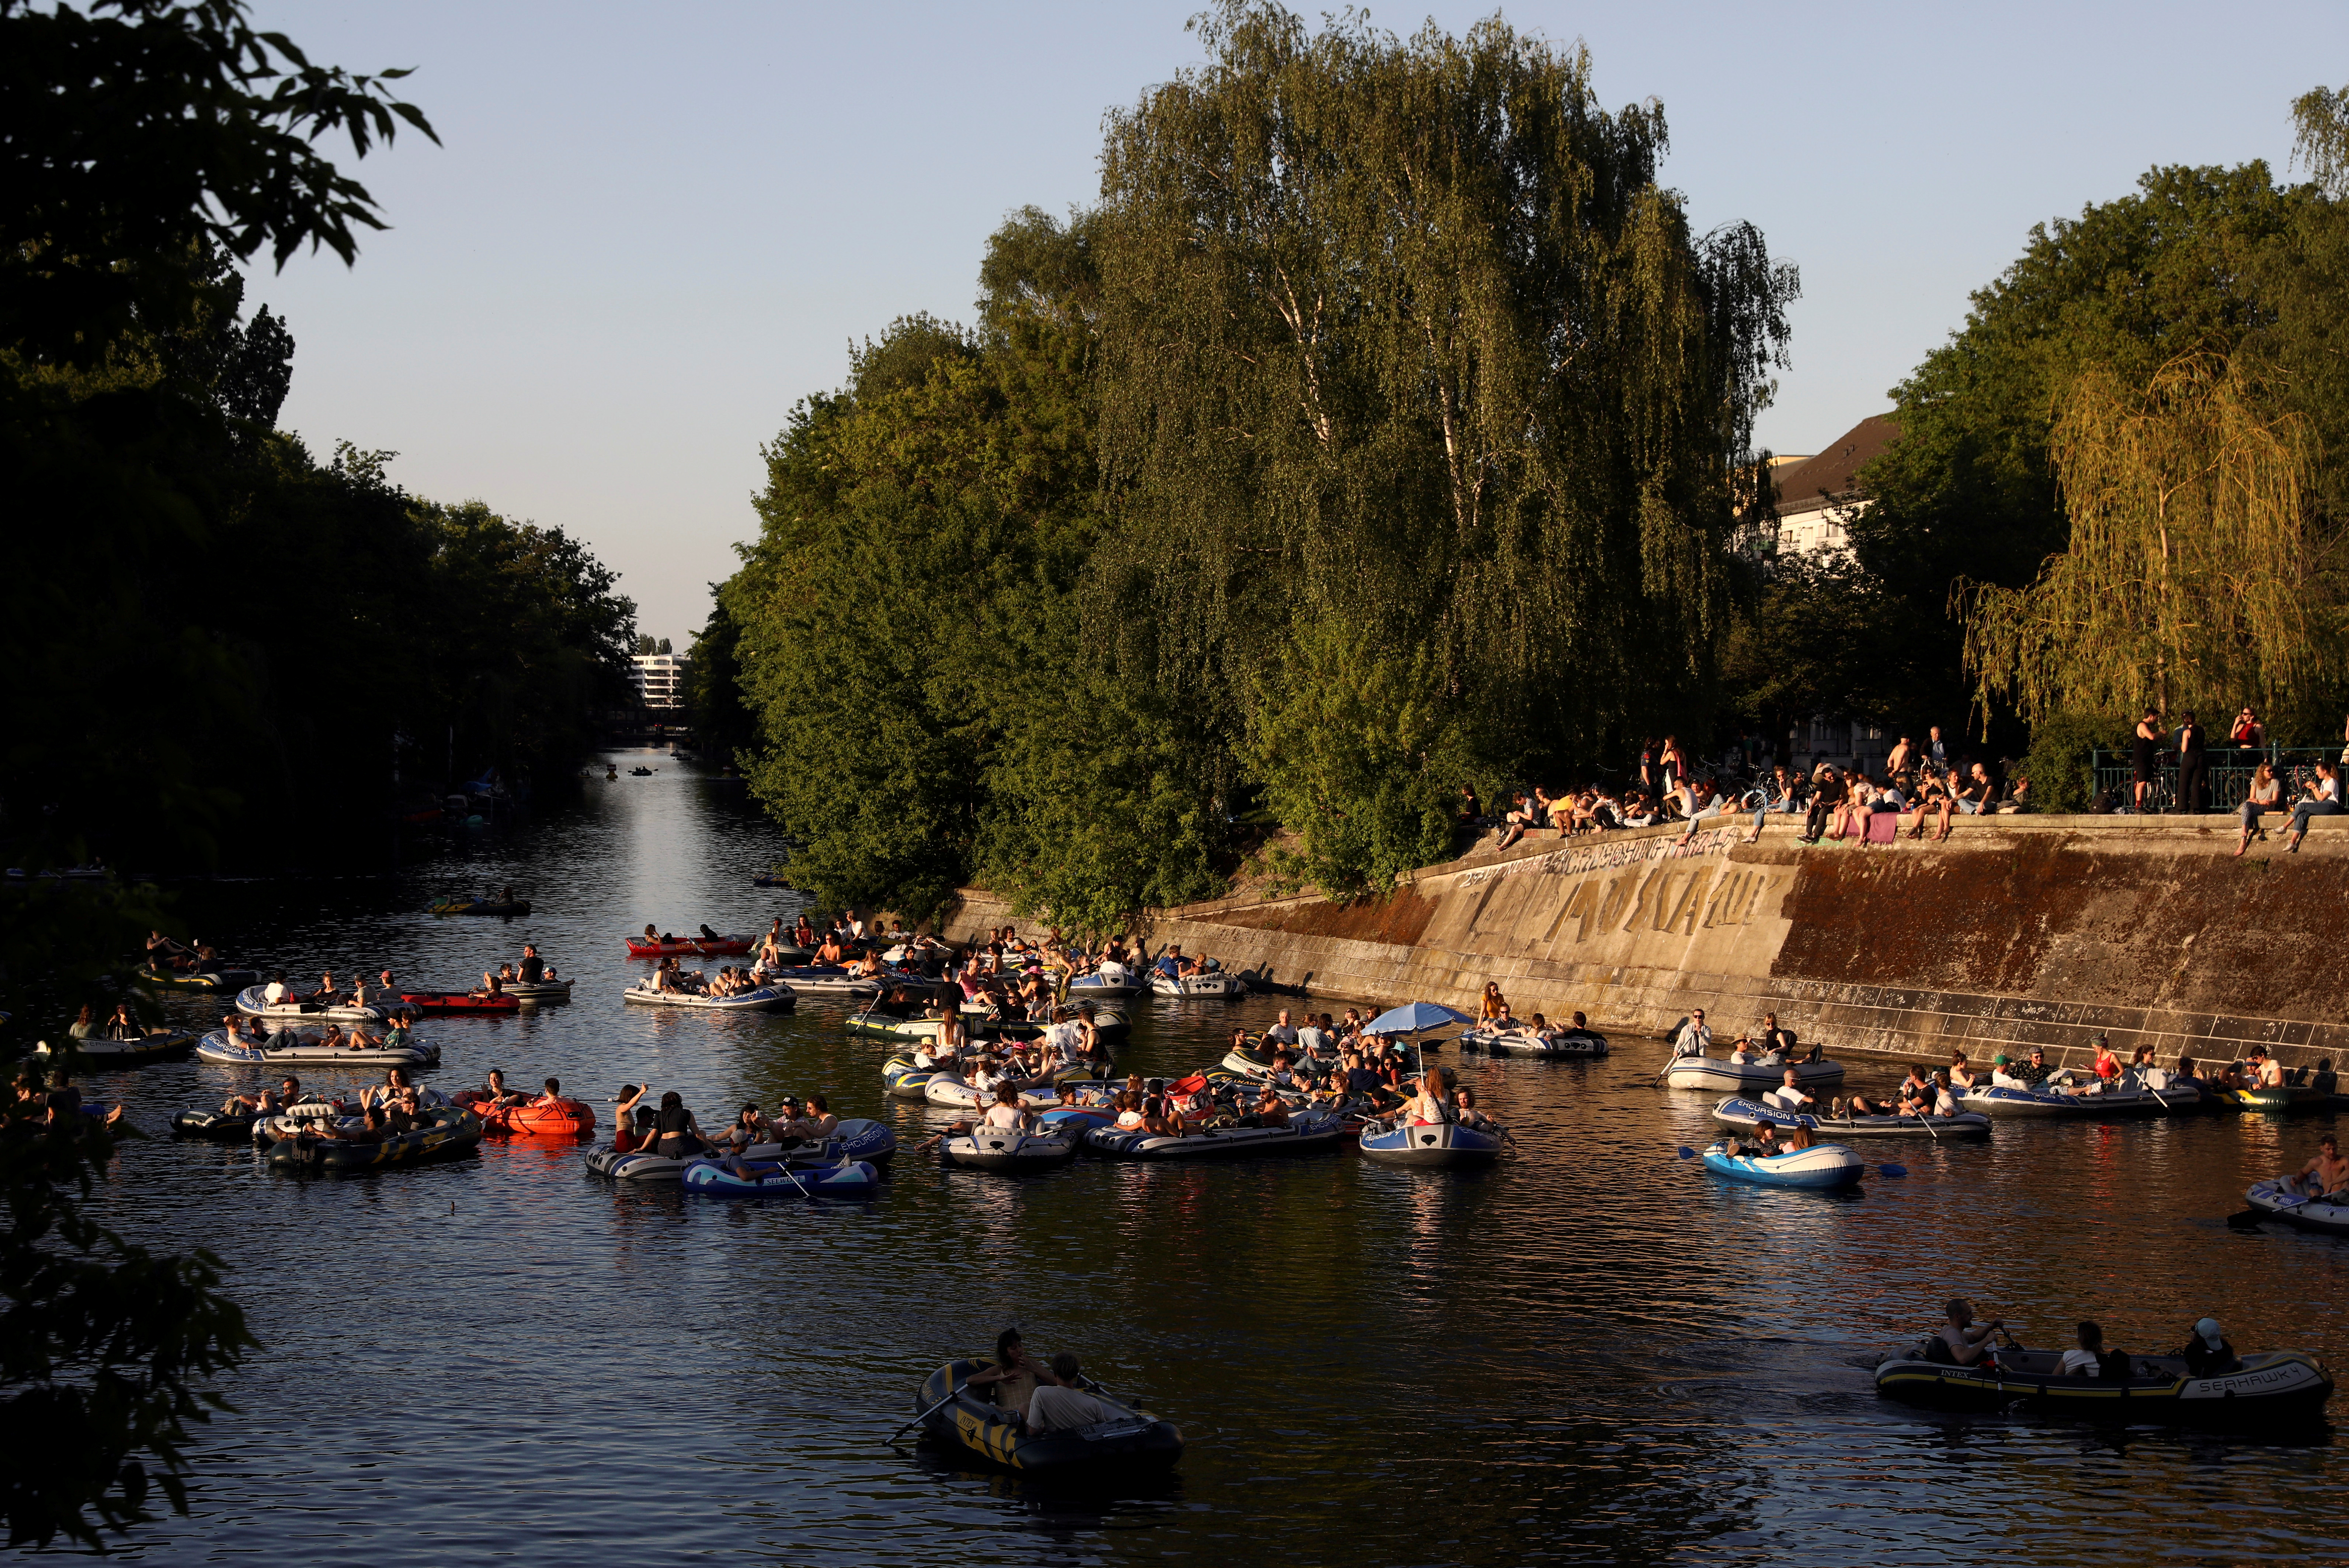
(1414, 1018)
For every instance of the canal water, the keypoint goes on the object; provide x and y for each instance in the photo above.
(1594, 1353)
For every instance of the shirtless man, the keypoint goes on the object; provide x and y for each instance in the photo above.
(2327, 1173)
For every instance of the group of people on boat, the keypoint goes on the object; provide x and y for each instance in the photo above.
(532, 970)
(1961, 1341)
(166, 957)
(670, 1128)
(731, 980)
(1042, 1396)
(120, 1025)
(396, 1036)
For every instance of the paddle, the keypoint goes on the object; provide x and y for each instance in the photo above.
(924, 1416)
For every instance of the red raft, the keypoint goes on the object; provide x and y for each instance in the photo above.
(461, 1002)
(564, 1119)
(699, 947)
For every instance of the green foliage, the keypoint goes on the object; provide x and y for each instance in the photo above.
(1404, 331)
(134, 132)
(1825, 636)
(723, 722)
(2059, 761)
(1351, 738)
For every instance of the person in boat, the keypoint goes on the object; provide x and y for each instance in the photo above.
(1779, 1042)
(551, 1095)
(2106, 1065)
(1914, 1093)
(1741, 1051)
(276, 990)
(1014, 1377)
(495, 1093)
(1432, 1106)
(1463, 1105)
(802, 931)
(1791, 1094)
(830, 953)
(748, 1127)
(1961, 1340)
(2034, 1073)
(2086, 1359)
(1961, 1076)
(268, 1102)
(532, 968)
(395, 1081)
(492, 986)
(85, 1023)
(675, 1133)
(397, 1038)
(370, 1129)
(2267, 1072)
(818, 1118)
(1762, 1145)
(122, 1025)
(624, 1132)
(1693, 1038)
(2207, 1353)
(2325, 1172)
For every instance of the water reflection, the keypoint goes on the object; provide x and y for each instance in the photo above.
(1591, 1353)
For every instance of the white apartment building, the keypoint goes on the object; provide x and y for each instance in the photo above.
(660, 679)
(1815, 495)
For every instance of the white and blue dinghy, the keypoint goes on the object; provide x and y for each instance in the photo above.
(1822, 1167)
(1748, 1114)
(1433, 1146)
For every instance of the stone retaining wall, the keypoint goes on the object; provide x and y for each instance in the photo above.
(2016, 932)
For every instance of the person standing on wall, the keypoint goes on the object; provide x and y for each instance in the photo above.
(2193, 769)
(2143, 755)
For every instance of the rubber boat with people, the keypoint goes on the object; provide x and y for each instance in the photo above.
(306, 1006)
(764, 999)
(248, 1126)
(1432, 1146)
(821, 979)
(783, 1179)
(1822, 1167)
(1583, 1045)
(1308, 1132)
(2279, 1200)
(949, 1091)
(856, 1139)
(157, 1045)
(2065, 1094)
(1010, 1152)
(1110, 983)
(481, 906)
(1212, 986)
(1748, 1114)
(308, 1047)
(2276, 1387)
(732, 946)
(459, 1002)
(1131, 1442)
(564, 1119)
(2283, 1099)
(1722, 1074)
(902, 1079)
(200, 979)
(446, 1132)
(770, 879)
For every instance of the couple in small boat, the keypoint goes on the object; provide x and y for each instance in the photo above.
(1040, 1397)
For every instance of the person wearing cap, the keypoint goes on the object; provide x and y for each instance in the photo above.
(2207, 1353)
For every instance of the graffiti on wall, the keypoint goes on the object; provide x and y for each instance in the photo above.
(1608, 856)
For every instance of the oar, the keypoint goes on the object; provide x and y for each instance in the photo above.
(925, 1415)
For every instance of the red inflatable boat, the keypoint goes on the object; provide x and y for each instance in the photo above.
(565, 1119)
(461, 1002)
(723, 947)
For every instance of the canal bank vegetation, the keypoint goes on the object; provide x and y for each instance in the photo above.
(1375, 434)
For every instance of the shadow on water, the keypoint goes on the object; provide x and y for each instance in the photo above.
(1592, 1353)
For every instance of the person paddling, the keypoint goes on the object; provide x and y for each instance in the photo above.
(1962, 1337)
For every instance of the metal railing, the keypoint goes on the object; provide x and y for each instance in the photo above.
(2231, 769)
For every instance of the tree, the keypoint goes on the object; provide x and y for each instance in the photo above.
(1406, 332)
(2188, 580)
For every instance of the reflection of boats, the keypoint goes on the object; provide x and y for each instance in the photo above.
(2274, 1200)
(2272, 1385)
(1524, 1042)
(1752, 1113)
(1728, 1077)
(1446, 1144)
(1820, 1167)
(1133, 1442)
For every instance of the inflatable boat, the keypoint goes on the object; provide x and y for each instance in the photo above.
(254, 1003)
(1110, 983)
(448, 1133)
(480, 906)
(1726, 1077)
(1308, 1132)
(771, 1179)
(566, 1118)
(463, 1002)
(200, 980)
(1822, 1166)
(823, 980)
(765, 999)
(857, 1139)
(2276, 1201)
(2276, 1387)
(218, 1126)
(2061, 1097)
(2282, 1101)
(1440, 1146)
(948, 1091)
(1131, 1442)
(307, 1048)
(1571, 1044)
(689, 947)
(903, 1081)
(538, 990)
(1747, 1114)
(98, 1051)
(1009, 1152)
(1210, 987)
(888, 1027)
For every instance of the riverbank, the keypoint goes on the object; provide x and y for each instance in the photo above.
(2016, 932)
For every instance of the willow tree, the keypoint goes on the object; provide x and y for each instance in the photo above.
(2193, 570)
(1404, 332)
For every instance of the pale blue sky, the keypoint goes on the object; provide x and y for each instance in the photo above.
(651, 228)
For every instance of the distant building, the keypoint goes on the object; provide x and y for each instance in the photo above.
(1815, 495)
(660, 679)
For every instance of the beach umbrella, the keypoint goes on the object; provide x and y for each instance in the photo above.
(1414, 1018)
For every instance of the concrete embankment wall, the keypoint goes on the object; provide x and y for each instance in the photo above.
(2017, 932)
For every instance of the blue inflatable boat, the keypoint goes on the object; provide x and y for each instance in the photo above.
(1823, 1165)
(774, 1178)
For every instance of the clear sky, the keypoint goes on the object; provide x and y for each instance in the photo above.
(652, 228)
